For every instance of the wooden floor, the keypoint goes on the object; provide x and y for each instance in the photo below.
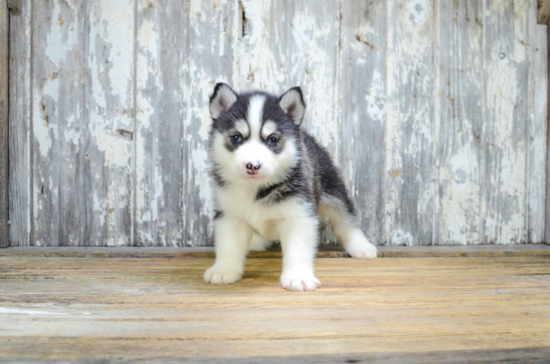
(390, 309)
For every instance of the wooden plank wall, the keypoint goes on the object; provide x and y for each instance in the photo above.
(4, 110)
(435, 111)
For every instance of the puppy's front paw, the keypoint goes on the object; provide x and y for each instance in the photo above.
(218, 275)
(360, 248)
(299, 281)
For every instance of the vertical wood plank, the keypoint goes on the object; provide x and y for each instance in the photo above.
(58, 112)
(295, 43)
(212, 34)
(162, 45)
(82, 97)
(20, 127)
(362, 87)
(184, 49)
(4, 106)
(411, 129)
(506, 63)
(460, 95)
(547, 213)
(537, 48)
(108, 131)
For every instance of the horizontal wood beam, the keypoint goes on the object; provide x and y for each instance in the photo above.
(543, 15)
(441, 251)
(15, 6)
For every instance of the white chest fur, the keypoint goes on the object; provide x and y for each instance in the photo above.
(264, 218)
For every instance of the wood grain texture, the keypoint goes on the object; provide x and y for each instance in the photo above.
(435, 112)
(77, 309)
(58, 114)
(505, 138)
(4, 112)
(537, 111)
(327, 251)
(176, 72)
(82, 107)
(108, 133)
(460, 95)
(213, 28)
(362, 57)
(20, 174)
(410, 122)
(161, 48)
(547, 217)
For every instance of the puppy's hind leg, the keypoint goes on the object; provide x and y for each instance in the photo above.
(346, 228)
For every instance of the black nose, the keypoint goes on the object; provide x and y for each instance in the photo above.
(251, 166)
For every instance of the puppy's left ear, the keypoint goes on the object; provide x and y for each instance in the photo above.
(292, 102)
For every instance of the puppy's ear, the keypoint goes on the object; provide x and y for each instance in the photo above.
(292, 102)
(222, 99)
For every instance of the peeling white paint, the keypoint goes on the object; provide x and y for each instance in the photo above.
(304, 47)
(63, 35)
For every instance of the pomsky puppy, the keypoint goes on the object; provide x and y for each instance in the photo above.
(273, 181)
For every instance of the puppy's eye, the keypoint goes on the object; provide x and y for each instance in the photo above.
(236, 138)
(273, 140)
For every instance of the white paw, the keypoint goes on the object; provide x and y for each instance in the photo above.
(217, 275)
(299, 281)
(360, 248)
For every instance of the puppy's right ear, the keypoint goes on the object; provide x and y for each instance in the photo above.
(222, 99)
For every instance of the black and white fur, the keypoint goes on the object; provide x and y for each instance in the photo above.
(273, 181)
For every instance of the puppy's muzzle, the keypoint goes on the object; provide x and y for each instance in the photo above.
(252, 168)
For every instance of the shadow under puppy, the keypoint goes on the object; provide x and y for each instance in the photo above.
(273, 181)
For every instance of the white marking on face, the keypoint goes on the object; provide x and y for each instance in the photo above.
(255, 113)
(268, 128)
(243, 128)
(272, 167)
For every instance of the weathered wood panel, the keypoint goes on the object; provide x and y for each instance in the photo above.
(460, 93)
(362, 59)
(58, 105)
(537, 110)
(212, 28)
(20, 127)
(161, 48)
(505, 138)
(183, 50)
(109, 121)
(410, 122)
(4, 106)
(82, 107)
(547, 219)
(435, 111)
